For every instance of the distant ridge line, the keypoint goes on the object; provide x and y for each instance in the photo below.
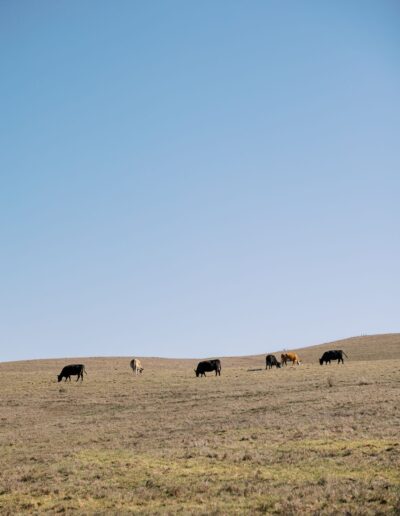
(372, 349)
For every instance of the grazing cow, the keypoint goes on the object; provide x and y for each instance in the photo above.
(208, 365)
(270, 361)
(334, 354)
(136, 366)
(73, 369)
(290, 357)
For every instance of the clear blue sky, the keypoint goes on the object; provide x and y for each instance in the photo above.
(197, 178)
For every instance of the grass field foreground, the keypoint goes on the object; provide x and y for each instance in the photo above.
(309, 439)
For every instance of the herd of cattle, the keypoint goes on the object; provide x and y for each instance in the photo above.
(334, 354)
(207, 366)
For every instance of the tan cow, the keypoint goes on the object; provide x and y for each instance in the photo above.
(290, 357)
(136, 366)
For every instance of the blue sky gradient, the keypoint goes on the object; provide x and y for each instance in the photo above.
(189, 179)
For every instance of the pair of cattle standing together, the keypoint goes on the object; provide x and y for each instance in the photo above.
(271, 361)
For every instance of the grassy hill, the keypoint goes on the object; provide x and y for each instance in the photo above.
(367, 347)
(308, 439)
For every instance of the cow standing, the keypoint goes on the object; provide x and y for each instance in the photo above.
(270, 361)
(136, 366)
(334, 354)
(290, 357)
(73, 369)
(208, 365)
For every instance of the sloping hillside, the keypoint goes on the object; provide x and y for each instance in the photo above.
(368, 347)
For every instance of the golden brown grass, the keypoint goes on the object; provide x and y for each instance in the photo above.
(310, 439)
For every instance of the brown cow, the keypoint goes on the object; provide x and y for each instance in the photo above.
(290, 357)
(136, 366)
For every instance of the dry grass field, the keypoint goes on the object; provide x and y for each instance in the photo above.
(302, 440)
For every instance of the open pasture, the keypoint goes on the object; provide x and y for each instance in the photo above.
(309, 439)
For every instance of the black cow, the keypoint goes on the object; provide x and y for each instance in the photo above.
(73, 369)
(270, 361)
(334, 354)
(208, 365)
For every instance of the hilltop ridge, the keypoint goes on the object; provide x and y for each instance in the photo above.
(359, 348)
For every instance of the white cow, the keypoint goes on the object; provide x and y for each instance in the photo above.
(136, 366)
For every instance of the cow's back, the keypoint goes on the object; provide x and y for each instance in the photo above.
(73, 369)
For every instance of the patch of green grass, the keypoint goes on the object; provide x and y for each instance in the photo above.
(158, 480)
